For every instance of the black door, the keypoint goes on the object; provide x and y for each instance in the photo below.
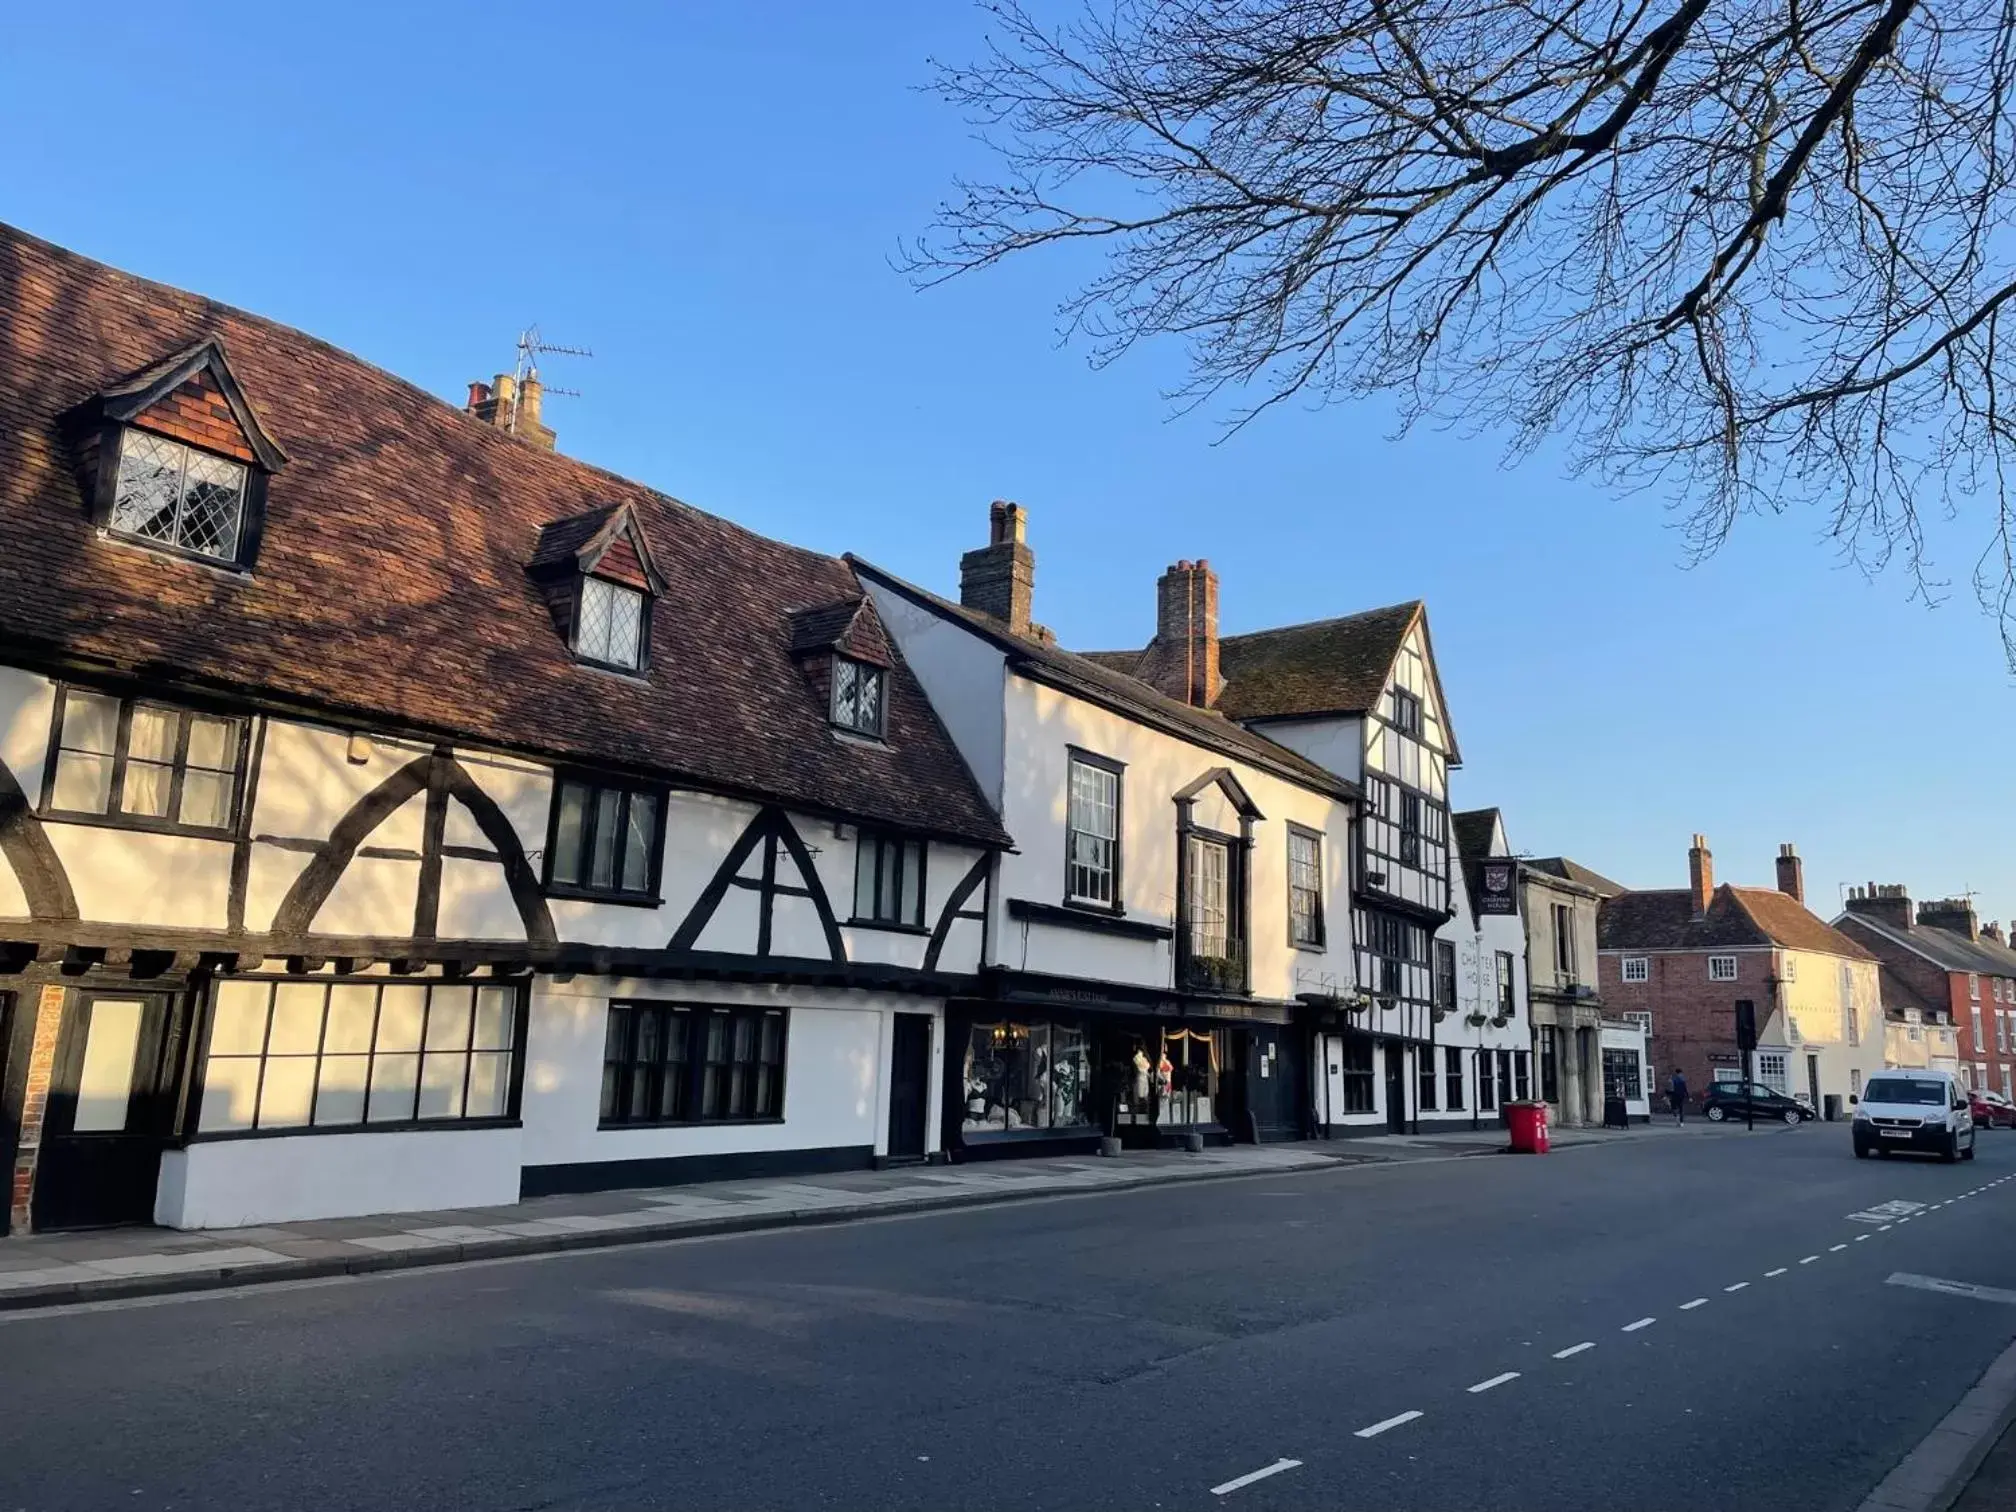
(1275, 1085)
(909, 1085)
(111, 1108)
(1396, 1087)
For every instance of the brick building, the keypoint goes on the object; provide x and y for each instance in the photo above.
(1941, 963)
(1679, 960)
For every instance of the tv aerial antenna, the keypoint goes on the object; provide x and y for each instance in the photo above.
(531, 347)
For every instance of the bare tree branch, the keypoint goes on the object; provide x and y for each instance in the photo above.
(1751, 255)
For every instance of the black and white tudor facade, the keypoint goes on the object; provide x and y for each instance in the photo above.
(396, 815)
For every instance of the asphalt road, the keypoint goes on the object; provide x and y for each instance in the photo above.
(1126, 1351)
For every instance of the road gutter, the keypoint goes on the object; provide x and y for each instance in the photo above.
(1933, 1476)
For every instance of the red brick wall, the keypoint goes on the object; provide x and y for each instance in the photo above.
(41, 1064)
(1692, 1017)
(196, 413)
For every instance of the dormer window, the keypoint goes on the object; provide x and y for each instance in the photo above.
(599, 581)
(857, 696)
(611, 625)
(180, 460)
(178, 496)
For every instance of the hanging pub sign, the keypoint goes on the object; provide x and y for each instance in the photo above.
(1497, 887)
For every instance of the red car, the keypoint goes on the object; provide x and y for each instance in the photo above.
(1992, 1110)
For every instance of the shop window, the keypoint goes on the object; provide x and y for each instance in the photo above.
(1355, 1058)
(1427, 1076)
(1171, 1079)
(888, 881)
(1033, 1075)
(683, 1063)
(350, 1054)
(144, 765)
(1452, 1077)
(1621, 1075)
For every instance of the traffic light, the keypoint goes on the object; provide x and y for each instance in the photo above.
(1746, 1024)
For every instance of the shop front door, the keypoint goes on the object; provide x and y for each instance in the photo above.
(1274, 1085)
(1396, 1087)
(111, 1108)
(909, 1085)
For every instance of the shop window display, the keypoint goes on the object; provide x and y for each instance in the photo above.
(1173, 1079)
(1027, 1076)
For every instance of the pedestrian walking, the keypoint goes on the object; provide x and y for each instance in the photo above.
(1676, 1090)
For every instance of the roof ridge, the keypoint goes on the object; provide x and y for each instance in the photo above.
(1319, 624)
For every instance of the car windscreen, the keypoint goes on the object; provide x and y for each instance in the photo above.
(1905, 1089)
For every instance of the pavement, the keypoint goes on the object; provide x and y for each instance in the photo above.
(1714, 1321)
(55, 1269)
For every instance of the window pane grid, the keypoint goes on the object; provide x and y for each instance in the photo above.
(351, 1054)
(612, 624)
(651, 1073)
(170, 493)
(1305, 889)
(857, 696)
(127, 759)
(1094, 832)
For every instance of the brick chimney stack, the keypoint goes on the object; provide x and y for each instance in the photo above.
(1701, 875)
(999, 579)
(1993, 931)
(1956, 914)
(1182, 659)
(1889, 904)
(511, 406)
(1791, 874)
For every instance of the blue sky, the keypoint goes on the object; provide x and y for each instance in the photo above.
(709, 196)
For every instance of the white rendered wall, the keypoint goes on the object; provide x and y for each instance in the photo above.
(962, 675)
(834, 1078)
(234, 1183)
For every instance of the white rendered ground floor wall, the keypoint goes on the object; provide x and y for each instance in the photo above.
(1345, 1104)
(835, 1115)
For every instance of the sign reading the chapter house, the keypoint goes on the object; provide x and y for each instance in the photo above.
(1497, 888)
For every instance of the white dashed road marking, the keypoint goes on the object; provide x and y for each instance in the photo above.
(1778, 1272)
(1634, 1327)
(1737, 1287)
(1574, 1349)
(1808, 1259)
(1380, 1427)
(1261, 1474)
(1496, 1380)
(1835, 1249)
(1690, 1306)
(1860, 1237)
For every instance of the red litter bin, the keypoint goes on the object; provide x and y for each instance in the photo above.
(1528, 1124)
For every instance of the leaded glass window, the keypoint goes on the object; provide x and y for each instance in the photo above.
(857, 696)
(611, 629)
(178, 496)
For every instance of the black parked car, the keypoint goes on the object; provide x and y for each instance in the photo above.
(1739, 1099)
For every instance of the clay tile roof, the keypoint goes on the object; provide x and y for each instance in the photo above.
(561, 542)
(823, 628)
(1737, 916)
(1335, 666)
(392, 587)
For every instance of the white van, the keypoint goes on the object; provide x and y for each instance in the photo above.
(1914, 1110)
